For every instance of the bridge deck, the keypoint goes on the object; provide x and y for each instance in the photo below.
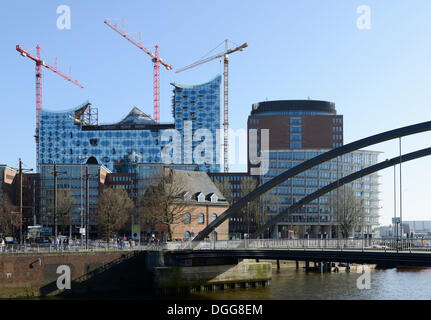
(389, 258)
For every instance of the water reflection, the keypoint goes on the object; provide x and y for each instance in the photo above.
(290, 284)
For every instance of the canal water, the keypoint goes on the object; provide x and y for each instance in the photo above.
(290, 284)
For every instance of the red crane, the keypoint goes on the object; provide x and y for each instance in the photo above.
(156, 61)
(39, 64)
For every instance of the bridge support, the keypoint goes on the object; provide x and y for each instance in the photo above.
(208, 278)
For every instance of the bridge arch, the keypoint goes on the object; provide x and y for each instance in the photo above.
(336, 184)
(358, 144)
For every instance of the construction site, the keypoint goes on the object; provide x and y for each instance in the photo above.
(59, 134)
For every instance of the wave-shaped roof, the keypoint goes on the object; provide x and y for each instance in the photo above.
(218, 77)
(66, 110)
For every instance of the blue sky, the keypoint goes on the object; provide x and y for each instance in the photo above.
(378, 78)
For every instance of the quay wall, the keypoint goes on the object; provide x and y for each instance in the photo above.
(28, 275)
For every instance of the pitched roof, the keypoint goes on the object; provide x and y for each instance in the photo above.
(195, 182)
(137, 116)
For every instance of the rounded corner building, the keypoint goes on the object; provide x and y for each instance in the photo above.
(300, 130)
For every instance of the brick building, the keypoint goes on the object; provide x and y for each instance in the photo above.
(204, 204)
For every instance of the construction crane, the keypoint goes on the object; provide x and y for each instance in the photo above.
(224, 54)
(39, 64)
(156, 61)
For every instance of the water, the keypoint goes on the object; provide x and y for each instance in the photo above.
(292, 284)
(289, 284)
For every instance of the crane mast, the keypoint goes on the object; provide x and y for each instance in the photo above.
(39, 64)
(226, 110)
(224, 54)
(156, 61)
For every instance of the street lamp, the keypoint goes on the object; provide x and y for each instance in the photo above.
(81, 196)
(55, 173)
(20, 172)
(87, 203)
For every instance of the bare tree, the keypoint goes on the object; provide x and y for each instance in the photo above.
(165, 203)
(9, 217)
(252, 210)
(270, 202)
(256, 212)
(114, 208)
(64, 207)
(347, 210)
(225, 187)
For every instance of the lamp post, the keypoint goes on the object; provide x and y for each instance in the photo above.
(55, 173)
(20, 172)
(81, 202)
(87, 203)
(401, 199)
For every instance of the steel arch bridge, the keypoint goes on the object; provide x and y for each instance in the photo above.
(358, 144)
(338, 183)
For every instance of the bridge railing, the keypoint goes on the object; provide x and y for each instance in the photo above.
(310, 244)
(390, 245)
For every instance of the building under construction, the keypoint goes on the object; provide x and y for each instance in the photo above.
(75, 137)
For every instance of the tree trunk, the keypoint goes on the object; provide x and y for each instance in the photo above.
(169, 232)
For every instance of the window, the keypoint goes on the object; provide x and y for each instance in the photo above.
(201, 197)
(187, 218)
(295, 138)
(298, 156)
(295, 145)
(186, 236)
(201, 218)
(213, 217)
(214, 198)
(295, 121)
(94, 142)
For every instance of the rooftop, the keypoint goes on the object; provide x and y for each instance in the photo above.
(294, 105)
(197, 181)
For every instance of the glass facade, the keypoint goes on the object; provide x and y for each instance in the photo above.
(71, 177)
(64, 137)
(63, 141)
(318, 212)
(199, 104)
